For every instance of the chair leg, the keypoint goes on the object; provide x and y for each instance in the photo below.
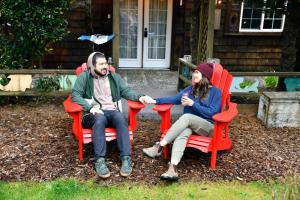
(166, 152)
(213, 159)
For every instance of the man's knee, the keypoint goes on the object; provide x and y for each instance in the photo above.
(118, 117)
(100, 120)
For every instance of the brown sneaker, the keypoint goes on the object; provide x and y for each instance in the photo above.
(171, 174)
(154, 151)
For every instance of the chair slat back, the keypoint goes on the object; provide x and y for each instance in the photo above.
(226, 88)
(222, 79)
(80, 69)
(217, 73)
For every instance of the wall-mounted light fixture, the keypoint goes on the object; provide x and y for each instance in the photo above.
(218, 10)
(218, 2)
(180, 2)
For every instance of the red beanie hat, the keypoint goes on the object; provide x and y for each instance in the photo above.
(206, 70)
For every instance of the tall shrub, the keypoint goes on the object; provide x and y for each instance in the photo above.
(28, 28)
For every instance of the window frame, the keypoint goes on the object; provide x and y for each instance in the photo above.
(262, 20)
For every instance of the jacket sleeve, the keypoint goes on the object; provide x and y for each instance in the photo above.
(79, 90)
(211, 107)
(172, 100)
(127, 92)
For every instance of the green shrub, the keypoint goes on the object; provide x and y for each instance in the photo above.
(4, 80)
(47, 84)
(246, 83)
(28, 29)
(270, 81)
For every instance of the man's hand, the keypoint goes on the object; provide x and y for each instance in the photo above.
(185, 101)
(147, 100)
(96, 110)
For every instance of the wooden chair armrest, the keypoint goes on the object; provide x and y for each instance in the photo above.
(162, 107)
(71, 107)
(227, 115)
(135, 105)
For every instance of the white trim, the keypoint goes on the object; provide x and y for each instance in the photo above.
(135, 63)
(261, 30)
(158, 63)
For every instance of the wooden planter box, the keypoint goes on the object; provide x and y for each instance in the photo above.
(279, 109)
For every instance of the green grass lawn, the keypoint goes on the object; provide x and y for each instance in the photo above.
(73, 189)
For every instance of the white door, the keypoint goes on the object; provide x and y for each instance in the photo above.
(145, 33)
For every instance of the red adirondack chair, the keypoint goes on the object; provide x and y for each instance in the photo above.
(84, 136)
(220, 140)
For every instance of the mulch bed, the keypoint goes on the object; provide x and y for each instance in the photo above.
(37, 144)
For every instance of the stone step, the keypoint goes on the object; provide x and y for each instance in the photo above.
(155, 83)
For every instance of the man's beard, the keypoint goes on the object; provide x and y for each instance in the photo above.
(101, 74)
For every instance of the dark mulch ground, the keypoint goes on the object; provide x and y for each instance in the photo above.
(36, 143)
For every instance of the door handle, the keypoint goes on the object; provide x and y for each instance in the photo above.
(145, 32)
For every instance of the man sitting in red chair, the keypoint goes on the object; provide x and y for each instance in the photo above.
(99, 92)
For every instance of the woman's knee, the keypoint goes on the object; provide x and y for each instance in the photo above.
(185, 117)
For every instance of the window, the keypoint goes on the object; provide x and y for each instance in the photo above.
(264, 16)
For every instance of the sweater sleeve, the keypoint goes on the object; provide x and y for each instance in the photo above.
(174, 99)
(211, 106)
(78, 92)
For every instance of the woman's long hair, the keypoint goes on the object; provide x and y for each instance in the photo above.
(201, 89)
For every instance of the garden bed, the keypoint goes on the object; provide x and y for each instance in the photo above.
(37, 144)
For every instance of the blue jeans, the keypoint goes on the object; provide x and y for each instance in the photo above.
(99, 122)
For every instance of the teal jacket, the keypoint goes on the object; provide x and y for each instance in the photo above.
(84, 89)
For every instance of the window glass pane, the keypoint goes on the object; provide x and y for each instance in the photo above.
(128, 28)
(123, 41)
(163, 16)
(153, 28)
(157, 28)
(247, 13)
(257, 13)
(152, 53)
(278, 13)
(255, 23)
(151, 41)
(162, 41)
(277, 24)
(268, 14)
(122, 52)
(161, 53)
(246, 23)
(162, 29)
(124, 28)
(268, 23)
(133, 53)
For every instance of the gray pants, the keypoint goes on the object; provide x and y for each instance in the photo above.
(181, 131)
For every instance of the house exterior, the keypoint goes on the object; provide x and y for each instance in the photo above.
(153, 34)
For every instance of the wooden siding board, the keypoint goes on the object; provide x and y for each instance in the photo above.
(249, 55)
(245, 49)
(252, 62)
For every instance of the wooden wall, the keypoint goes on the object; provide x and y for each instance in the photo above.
(83, 19)
(246, 52)
(184, 30)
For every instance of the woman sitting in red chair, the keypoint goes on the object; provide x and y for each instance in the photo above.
(201, 101)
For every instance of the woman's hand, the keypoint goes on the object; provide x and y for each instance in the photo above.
(185, 101)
